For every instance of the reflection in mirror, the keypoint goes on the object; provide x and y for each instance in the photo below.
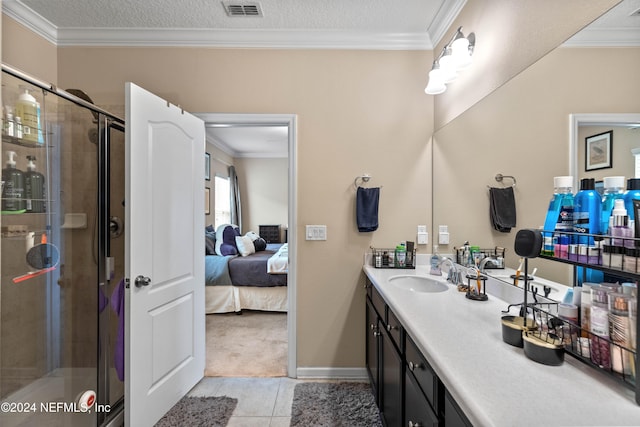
(625, 144)
(521, 130)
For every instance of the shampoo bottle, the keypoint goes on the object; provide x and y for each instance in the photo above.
(13, 190)
(586, 213)
(27, 110)
(559, 217)
(613, 189)
(34, 188)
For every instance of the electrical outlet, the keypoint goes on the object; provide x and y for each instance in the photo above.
(316, 232)
(443, 238)
(423, 238)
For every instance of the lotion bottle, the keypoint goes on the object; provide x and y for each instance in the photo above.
(27, 110)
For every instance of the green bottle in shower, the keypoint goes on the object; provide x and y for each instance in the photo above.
(34, 189)
(12, 186)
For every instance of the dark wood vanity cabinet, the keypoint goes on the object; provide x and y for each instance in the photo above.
(407, 390)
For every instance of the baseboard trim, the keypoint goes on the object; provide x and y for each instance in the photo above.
(332, 373)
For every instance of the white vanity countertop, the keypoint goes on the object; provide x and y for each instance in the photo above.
(494, 383)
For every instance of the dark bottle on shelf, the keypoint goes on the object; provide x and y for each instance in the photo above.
(34, 188)
(13, 186)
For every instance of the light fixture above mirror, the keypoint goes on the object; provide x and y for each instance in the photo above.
(455, 57)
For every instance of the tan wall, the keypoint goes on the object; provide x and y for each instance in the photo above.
(358, 111)
(28, 52)
(522, 129)
(264, 189)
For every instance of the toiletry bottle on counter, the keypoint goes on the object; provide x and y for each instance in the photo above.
(435, 263)
(34, 188)
(559, 217)
(613, 189)
(13, 190)
(586, 212)
(600, 352)
(621, 359)
(401, 256)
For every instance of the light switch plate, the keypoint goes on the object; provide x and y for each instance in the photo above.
(316, 232)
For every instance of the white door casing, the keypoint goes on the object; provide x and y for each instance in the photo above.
(164, 319)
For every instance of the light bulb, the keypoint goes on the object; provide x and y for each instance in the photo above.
(448, 66)
(460, 53)
(436, 82)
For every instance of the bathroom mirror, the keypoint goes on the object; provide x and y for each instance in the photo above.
(524, 129)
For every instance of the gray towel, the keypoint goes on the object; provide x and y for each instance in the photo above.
(367, 208)
(502, 208)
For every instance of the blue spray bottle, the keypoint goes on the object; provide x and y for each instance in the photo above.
(632, 193)
(587, 212)
(559, 214)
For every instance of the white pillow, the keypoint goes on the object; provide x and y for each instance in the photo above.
(253, 235)
(245, 245)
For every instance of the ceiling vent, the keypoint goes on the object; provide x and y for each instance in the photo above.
(235, 8)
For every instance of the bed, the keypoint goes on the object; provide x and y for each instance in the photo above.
(257, 281)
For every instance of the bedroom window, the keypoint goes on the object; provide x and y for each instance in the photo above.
(222, 201)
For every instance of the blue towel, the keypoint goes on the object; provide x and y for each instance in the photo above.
(367, 208)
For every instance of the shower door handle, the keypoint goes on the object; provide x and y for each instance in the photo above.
(142, 281)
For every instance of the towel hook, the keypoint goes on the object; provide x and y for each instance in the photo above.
(499, 177)
(365, 178)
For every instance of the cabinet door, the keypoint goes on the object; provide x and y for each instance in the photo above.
(418, 412)
(392, 382)
(372, 350)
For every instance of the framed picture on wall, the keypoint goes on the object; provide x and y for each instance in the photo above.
(598, 151)
(207, 201)
(207, 166)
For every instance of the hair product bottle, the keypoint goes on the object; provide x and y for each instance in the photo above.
(13, 190)
(586, 212)
(34, 189)
(632, 193)
(613, 189)
(559, 217)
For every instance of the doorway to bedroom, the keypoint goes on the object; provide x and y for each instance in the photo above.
(250, 297)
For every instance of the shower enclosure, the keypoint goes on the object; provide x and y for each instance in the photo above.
(61, 261)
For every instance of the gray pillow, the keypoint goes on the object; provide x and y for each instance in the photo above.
(210, 242)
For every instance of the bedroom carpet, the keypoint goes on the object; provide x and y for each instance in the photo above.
(348, 404)
(253, 344)
(199, 411)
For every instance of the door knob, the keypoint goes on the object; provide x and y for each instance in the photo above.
(142, 281)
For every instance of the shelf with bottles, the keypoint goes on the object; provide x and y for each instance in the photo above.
(613, 254)
(612, 352)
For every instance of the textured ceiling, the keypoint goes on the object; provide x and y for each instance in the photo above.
(404, 24)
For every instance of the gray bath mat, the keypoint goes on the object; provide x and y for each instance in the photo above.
(345, 404)
(199, 412)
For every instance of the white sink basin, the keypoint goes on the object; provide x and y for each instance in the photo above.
(418, 284)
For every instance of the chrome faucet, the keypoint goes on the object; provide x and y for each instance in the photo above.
(454, 275)
(483, 263)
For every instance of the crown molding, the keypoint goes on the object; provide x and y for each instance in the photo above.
(267, 39)
(444, 19)
(605, 37)
(30, 19)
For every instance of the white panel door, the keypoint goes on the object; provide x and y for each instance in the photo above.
(164, 300)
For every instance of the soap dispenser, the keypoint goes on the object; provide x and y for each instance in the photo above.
(13, 186)
(34, 188)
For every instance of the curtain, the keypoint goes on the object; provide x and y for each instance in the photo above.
(236, 208)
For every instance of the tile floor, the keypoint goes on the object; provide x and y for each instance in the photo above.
(262, 402)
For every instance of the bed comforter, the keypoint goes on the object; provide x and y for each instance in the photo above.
(249, 270)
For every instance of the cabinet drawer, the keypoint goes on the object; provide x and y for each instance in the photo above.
(394, 327)
(417, 411)
(378, 303)
(421, 370)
